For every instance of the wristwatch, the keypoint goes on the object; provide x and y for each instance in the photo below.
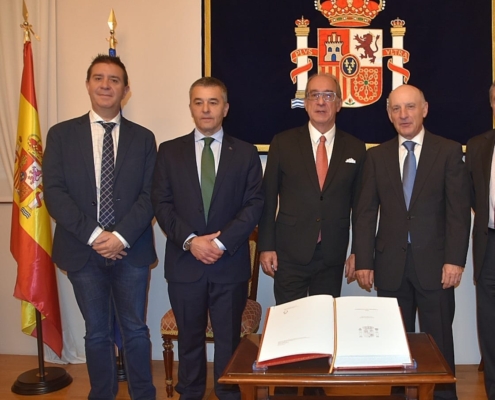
(187, 244)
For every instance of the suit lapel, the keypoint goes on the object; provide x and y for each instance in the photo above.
(226, 156)
(427, 159)
(391, 160)
(306, 149)
(125, 139)
(336, 160)
(83, 135)
(188, 154)
(486, 159)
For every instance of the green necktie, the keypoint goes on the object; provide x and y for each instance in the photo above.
(207, 175)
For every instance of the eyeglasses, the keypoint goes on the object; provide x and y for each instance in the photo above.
(326, 96)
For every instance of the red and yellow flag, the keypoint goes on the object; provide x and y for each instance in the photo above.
(31, 239)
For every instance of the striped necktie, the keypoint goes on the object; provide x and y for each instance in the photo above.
(107, 212)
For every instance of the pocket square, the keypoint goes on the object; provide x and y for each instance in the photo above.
(350, 161)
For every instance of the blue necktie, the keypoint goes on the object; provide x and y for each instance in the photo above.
(107, 213)
(409, 172)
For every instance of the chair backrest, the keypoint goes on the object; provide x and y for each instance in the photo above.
(255, 265)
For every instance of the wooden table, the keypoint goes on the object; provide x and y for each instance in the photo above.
(431, 369)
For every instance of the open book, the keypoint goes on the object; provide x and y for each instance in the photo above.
(356, 332)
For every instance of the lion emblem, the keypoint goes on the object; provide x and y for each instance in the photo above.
(365, 43)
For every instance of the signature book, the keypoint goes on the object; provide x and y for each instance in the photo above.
(354, 332)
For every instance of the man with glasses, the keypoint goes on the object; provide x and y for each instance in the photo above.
(312, 178)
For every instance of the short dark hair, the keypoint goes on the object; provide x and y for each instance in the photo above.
(106, 59)
(209, 81)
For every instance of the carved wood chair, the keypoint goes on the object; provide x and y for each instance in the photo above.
(250, 318)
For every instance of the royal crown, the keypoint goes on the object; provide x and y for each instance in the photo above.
(350, 12)
(302, 22)
(397, 23)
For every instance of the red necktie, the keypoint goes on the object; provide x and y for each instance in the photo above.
(321, 166)
(321, 161)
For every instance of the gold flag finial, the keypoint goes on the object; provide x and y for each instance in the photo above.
(28, 28)
(112, 40)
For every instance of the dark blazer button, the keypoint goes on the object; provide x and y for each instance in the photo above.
(321, 198)
(318, 219)
(93, 203)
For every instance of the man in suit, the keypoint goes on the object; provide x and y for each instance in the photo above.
(481, 168)
(419, 184)
(312, 177)
(207, 199)
(97, 171)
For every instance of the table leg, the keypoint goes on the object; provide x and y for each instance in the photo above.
(247, 392)
(425, 391)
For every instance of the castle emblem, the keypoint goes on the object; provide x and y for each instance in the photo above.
(350, 52)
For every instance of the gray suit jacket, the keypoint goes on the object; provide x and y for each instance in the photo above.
(438, 218)
(70, 191)
(479, 163)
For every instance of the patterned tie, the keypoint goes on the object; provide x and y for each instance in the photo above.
(409, 172)
(207, 175)
(107, 213)
(321, 161)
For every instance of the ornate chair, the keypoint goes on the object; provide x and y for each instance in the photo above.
(250, 318)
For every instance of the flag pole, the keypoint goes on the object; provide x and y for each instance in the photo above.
(112, 52)
(41, 380)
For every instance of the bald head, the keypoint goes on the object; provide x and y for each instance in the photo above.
(407, 108)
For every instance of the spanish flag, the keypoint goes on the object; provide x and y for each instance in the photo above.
(31, 239)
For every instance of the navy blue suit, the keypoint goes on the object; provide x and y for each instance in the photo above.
(236, 206)
(105, 289)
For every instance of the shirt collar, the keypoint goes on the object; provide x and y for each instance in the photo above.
(217, 135)
(93, 117)
(418, 139)
(316, 134)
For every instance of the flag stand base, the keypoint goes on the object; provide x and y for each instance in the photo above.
(30, 382)
(44, 379)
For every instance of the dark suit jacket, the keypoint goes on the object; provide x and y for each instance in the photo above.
(235, 209)
(70, 191)
(438, 218)
(291, 183)
(479, 163)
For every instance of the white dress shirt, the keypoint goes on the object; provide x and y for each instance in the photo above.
(97, 134)
(216, 148)
(315, 140)
(418, 139)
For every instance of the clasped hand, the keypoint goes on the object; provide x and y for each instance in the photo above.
(204, 248)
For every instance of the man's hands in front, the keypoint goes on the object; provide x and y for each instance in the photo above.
(109, 246)
(204, 249)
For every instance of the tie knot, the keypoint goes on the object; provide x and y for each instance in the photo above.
(208, 141)
(108, 126)
(323, 139)
(409, 145)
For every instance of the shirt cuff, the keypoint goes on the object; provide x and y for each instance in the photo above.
(98, 230)
(187, 238)
(124, 242)
(220, 244)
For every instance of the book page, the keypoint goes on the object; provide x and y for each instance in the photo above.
(303, 326)
(370, 333)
